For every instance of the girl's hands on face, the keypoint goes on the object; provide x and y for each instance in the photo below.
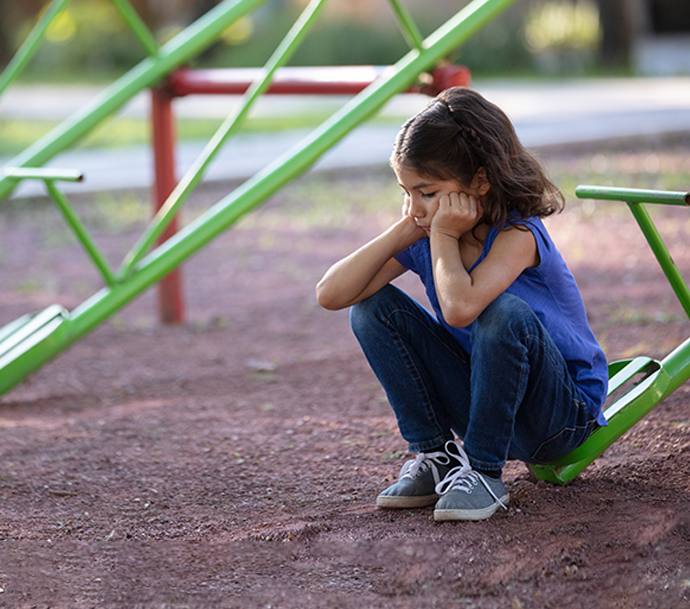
(410, 224)
(457, 214)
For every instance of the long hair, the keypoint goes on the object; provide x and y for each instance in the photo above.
(460, 132)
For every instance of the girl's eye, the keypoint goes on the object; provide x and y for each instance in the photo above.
(429, 195)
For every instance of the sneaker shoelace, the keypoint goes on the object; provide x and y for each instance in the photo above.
(422, 462)
(463, 478)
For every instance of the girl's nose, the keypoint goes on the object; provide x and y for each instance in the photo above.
(416, 210)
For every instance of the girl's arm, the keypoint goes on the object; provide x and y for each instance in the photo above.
(370, 268)
(462, 295)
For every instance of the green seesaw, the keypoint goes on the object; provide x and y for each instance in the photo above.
(652, 380)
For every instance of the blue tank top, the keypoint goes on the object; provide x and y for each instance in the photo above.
(550, 290)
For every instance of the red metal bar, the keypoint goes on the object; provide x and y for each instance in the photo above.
(337, 80)
(170, 301)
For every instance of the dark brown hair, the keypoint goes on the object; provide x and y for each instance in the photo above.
(460, 132)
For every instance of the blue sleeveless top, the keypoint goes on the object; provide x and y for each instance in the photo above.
(550, 290)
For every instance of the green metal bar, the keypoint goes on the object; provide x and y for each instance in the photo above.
(635, 198)
(407, 25)
(663, 377)
(81, 233)
(180, 49)
(672, 372)
(39, 173)
(196, 172)
(203, 229)
(23, 328)
(12, 327)
(137, 26)
(662, 254)
(28, 48)
(633, 195)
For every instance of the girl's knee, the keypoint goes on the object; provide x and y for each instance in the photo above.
(369, 310)
(360, 314)
(503, 314)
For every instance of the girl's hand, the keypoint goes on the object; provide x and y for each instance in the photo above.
(457, 214)
(410, 231)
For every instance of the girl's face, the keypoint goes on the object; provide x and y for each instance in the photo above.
(422, 194)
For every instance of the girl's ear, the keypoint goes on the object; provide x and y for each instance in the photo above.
(480, 182)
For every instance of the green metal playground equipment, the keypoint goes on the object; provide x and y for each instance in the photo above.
(31, 341)
(653, 380)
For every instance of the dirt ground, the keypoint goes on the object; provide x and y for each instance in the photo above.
(234, 461)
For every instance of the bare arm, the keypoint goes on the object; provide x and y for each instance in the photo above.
(462, 295)
(368, 269)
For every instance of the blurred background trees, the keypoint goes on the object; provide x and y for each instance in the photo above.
(532, 37)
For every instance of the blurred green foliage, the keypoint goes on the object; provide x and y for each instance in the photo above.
(16, 134)
(499, 48)
(89, 38)
(91, 41)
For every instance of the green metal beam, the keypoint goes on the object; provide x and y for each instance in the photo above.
(40, 173)
(657, 245)
(49, 177)
(660, 379)
(633, 195)
(137, 25)
(196, 172)
(81, 233)
(28, 48)
(407, 25)
(180, 49)
(669, 375)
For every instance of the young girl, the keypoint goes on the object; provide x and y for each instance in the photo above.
(508, 363)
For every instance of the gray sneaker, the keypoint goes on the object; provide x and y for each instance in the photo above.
(468, 495)
(417, 481)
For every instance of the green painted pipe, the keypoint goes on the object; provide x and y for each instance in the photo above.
(195, 173)
(183, 47)
(137, 26)
(407, 26)
(633, 195)
(82, 233)
(28, 48)
(658, 247)
(41, 173)
(665, 376)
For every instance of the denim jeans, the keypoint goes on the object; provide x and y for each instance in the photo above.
(511, 399)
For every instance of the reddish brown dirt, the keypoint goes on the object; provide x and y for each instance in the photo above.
(234, 461)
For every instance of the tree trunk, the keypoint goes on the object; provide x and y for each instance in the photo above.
(616, 24)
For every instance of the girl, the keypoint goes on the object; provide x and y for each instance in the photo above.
(508, 363)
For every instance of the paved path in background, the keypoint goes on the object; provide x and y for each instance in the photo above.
(544, 114)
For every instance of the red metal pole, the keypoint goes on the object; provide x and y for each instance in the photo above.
(334, 80)
(170, 300)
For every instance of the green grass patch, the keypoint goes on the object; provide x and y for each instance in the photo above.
(18, 134)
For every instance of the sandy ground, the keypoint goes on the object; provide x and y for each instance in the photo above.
(234, 461)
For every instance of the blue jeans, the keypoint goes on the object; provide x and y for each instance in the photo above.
(511, 399)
